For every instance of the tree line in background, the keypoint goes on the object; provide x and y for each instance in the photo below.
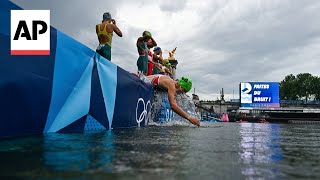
(303, 86)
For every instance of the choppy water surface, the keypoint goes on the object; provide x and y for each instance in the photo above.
(215, 151)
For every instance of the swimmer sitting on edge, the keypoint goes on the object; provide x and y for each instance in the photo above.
(182, 86)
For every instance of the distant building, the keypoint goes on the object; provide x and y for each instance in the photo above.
(235, 100)
(195, 99)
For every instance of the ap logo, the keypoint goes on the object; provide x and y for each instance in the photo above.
(30, 32)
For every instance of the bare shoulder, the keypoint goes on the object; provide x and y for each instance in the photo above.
(112, 25)
(140, 40)
(167, 81)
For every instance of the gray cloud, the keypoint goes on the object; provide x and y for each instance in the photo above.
(172, 6)
(223, 44)
(263, 45)
(72, 16)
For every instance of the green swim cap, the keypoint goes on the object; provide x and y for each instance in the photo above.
(146, 33)
(168, 64)
(185, 83)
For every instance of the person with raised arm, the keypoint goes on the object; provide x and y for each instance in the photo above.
(104, 32)
(142, 47)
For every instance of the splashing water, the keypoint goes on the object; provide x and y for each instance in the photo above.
(162, 114)
(186, 103)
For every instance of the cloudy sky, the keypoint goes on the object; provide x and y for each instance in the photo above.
(220, 42)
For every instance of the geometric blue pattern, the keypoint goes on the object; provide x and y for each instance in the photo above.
(67, 75)
(72, 89)
(93, 125)
(76, 106)
(108, 79)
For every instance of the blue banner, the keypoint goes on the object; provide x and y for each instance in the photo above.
(260, 94)
(72, 89)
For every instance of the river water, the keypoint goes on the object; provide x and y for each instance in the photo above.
(214, 151)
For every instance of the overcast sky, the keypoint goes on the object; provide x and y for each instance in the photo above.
(219, 42)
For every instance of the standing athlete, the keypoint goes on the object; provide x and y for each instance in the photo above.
(104, 32)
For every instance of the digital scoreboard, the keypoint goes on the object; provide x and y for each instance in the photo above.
(259, 94)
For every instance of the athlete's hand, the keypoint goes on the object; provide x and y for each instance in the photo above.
(194, 121)
(113, 21)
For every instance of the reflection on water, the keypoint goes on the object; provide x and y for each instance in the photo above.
(216, 151)
(259, 144)
(280, 151)
(89, 152)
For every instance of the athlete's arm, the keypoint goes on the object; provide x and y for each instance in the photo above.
(168, 71)
(155, 57)
(153, 42)
(150, 61)
(176, 108)
(157, 66)
(160, 56)
(116, 29)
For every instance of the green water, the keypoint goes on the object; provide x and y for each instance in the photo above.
(216, 151)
